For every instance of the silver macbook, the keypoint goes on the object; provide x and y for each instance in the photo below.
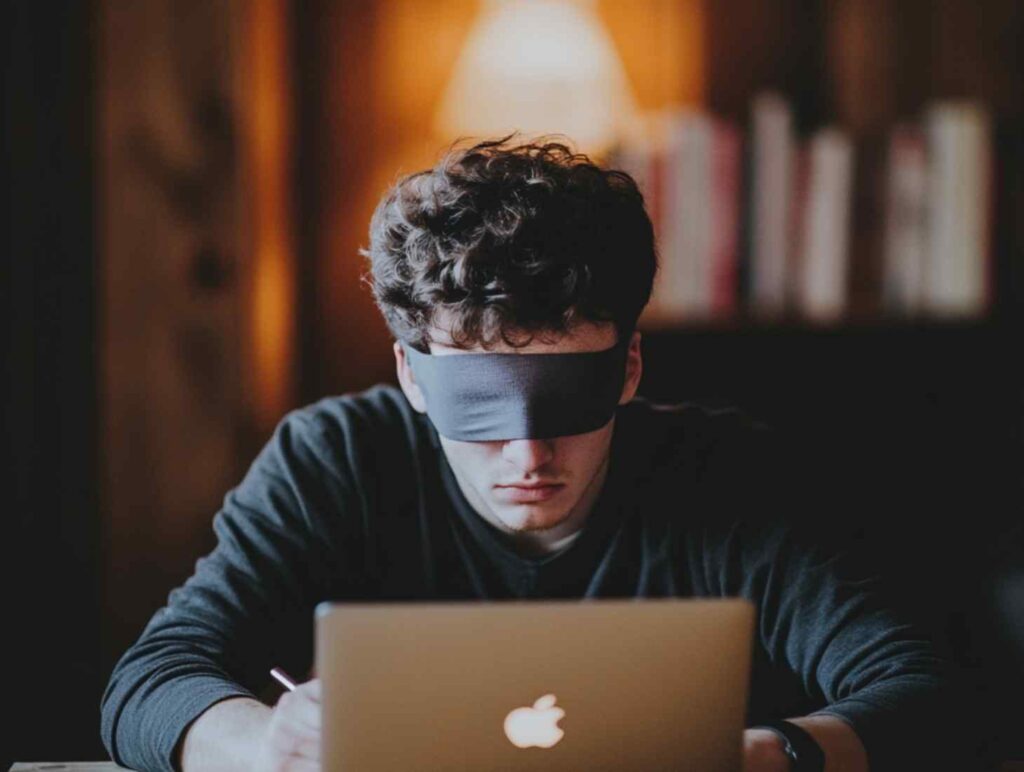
(657, 684)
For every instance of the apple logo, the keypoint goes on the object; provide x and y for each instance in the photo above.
(536, 726)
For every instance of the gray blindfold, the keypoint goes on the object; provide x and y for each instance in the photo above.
(489, 396)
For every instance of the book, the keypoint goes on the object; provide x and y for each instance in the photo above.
(771, 181)
(726, 183)
(684, 291)
(640, 153)
(700, 179)
(957, 268)
(906, 223)
(765, 226)
(821, 269)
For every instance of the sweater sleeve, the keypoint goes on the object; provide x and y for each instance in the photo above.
(247, 607)
(830, 615)
(826, 617)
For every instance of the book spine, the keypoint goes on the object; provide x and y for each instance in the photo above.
(685, 286)
(772, 181)
(639, 153)
(799, 205)
(725, 195)
(906, 223)
(665, 303)
(959, 185)
(822, 279)
(699, 149)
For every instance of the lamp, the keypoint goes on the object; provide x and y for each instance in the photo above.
(539, 66)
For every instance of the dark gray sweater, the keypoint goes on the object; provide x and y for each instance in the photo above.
(353, 498)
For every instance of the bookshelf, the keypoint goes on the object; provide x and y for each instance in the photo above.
(757, 224)
(921, 419)
(865, 66)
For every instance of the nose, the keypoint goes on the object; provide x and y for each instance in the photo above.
(528, 455)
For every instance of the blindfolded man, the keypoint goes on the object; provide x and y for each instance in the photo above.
(515, 461)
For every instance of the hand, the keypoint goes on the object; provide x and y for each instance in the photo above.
(291, 739)
(763, 751)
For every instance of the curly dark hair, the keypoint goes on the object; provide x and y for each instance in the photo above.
(510, 240)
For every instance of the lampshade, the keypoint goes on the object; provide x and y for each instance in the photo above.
(538, 66)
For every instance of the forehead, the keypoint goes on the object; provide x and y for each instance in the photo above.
(582, 337)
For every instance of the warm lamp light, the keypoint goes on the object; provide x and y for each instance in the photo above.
(538, 66)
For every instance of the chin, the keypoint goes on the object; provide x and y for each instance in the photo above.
(530, 517)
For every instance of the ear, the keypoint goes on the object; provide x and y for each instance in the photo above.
(634, 369)
(407, 381)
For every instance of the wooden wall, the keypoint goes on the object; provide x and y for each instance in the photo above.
(196, 279)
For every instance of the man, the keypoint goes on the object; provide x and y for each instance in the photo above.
(515, 461)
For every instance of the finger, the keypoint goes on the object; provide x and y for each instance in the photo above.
(310, 688)
(296, 725)
(301, 725)
(301, 711)
(300, 718)
(302, 765)
(306, 748)
(291, 740)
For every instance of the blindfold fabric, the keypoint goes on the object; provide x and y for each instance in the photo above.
(490, 396)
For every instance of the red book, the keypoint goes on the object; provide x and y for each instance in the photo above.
(906, 224)
(726, 172)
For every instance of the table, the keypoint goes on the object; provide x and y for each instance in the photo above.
(65, 767)
(110, 766)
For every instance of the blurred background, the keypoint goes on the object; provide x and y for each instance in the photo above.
(837, 188)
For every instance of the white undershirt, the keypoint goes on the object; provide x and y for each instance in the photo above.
(565, 541)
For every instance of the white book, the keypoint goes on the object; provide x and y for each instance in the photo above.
(638, 153)
(959, 186)
(822, 266)
(906, 223)
(684, 293)
(770, 226)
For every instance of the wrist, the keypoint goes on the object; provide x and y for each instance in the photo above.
(799, 746)
(764, 751)
(226, 736)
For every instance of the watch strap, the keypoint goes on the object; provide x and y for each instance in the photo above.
(800, 746)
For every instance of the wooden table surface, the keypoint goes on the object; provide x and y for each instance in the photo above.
(65, 767)
(110, 766)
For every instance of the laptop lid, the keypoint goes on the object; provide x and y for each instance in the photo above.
(534, 685)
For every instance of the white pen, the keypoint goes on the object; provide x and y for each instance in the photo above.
(286, 680)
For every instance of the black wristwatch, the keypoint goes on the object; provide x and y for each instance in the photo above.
(803, 751)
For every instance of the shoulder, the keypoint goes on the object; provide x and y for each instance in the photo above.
(692, 437)
(377, 406)
(345, 427)
(722, 467)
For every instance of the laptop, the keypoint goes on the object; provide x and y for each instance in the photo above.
(653, 684)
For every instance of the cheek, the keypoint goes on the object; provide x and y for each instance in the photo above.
(585, 452)
(472, 458)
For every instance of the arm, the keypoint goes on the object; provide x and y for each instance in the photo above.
(224, 737)
(844, 752)
(247, 607)
(247, 736)
(825, 617)
(855, 650)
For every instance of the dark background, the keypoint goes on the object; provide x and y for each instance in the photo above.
(133, 240)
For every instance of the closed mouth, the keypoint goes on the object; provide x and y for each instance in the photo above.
(530, 486)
